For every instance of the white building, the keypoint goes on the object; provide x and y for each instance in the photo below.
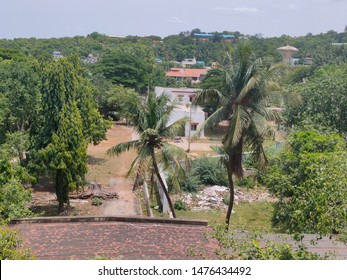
(57, 55)
(184, 97)
(188, 62)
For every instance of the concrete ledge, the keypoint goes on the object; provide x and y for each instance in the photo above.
(79, 219)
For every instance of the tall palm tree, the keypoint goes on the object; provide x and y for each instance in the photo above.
(242, 100)
(151, 122)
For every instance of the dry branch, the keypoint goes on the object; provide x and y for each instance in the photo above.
(95, 190)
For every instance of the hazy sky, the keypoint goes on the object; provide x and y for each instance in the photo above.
(48, 18)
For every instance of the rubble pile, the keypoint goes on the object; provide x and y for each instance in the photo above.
(217, 197)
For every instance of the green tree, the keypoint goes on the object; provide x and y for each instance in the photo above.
(151, 122)
(118, 99)
(309, 179)
(19, 92)
(93, 123)
(323, 99)
(121, 100)
(242, 101)
(129, 64)
(60, 143)
(14, 197)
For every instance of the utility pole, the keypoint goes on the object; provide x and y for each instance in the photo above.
(190, 125)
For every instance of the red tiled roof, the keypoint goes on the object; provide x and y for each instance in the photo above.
(186, 72)
(114, 238)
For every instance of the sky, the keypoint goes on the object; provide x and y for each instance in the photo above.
(68, 18)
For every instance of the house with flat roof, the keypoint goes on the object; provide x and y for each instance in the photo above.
(184, 98)
(188, 62)
(181, 74)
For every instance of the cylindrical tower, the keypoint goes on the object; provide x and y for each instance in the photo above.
(287, 53)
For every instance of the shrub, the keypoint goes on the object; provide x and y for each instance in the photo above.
(247, 182)
(210, 171)
(190, 184)
(180, 205)
(204, 171)
(226, 199)
(96, 201)
(253, 246)
(13, 200)
(11, 246)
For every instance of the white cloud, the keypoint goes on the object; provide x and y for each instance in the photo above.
(237, 10)
(176, 20)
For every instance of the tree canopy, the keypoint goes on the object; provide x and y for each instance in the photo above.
(59, 140)
(309, 179)
(323, 99)
(129, 64)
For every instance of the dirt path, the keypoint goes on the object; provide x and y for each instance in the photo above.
(110, 172)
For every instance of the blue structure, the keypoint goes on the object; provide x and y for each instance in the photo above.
(210, 35)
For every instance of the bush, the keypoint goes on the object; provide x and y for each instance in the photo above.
(190, 184)
(11, 246)
(96, 201)
(210, 171)
(14, 201)
(253, 246)
(247, 182)
(204, 171)
(226, 199)
(180, 205)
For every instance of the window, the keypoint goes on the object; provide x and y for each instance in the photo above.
(193, 126)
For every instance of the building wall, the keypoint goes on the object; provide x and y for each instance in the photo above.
(184, 109)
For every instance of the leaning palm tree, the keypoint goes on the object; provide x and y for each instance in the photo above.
(151, 121)
(242, 100)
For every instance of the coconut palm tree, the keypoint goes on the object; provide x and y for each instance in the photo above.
(151, 122)
(242, 100)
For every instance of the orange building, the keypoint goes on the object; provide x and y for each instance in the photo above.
(181, 74)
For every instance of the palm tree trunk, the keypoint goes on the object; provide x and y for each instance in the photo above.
(147, 199)
(231, 199)
(156, 170)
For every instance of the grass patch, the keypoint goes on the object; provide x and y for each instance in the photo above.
(256, 215)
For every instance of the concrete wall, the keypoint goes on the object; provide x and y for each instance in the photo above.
(184, 108)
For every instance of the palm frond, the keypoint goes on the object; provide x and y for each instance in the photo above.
(123, 147)
(172, 159)
(173, 129)
(254, 141)
(213, 120)
(239, 123)
(207, 96)
(251, 84)
(141, 162)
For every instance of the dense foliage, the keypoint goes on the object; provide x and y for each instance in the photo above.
(11, 246)
(68, 120)
(128, 64)
(252, 245)
(14, 198)
(323, 99)
(203, 171)
(50, 110)
(310, 182)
